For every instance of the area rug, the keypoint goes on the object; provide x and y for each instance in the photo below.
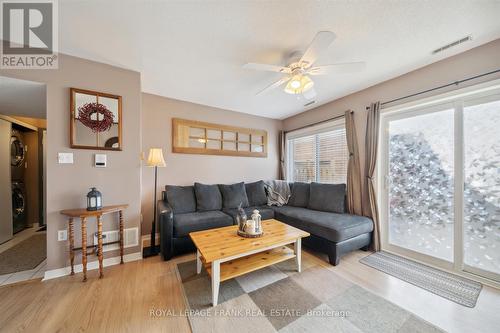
(24, 256)
(278, 299)
(455, 288)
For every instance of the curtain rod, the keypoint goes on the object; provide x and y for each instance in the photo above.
(316, 123)
(456, 83)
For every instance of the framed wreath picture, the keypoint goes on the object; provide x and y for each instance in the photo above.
(96, 120)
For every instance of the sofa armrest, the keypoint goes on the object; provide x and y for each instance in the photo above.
(166, 221)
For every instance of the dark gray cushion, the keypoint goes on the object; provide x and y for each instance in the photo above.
(331, 226)
(265, 212)
(300, 195)
(189, 222)
(256, 193)
(327, 197)
(208, 197)
(233, 195)
(181, 198)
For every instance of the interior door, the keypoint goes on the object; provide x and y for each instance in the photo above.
(5, 183)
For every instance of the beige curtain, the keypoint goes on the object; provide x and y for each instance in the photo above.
(354, 205)
(281, 152)
(371, 146)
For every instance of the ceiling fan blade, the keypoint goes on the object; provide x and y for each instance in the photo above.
(341, 68)
(309, 94)
(320, 43)
(273, 85)
(266, 67)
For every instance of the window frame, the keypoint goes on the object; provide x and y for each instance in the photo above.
(315, 130)
(458, 98)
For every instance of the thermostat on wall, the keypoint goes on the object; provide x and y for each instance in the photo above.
(100, 160)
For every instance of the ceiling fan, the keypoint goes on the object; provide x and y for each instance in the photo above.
(300, 67)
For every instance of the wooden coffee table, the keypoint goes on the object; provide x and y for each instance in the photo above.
(226, 255)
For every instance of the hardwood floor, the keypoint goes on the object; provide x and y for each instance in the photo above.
(122, 301)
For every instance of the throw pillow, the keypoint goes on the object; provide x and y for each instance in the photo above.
(300, 195)
(327, 197)
(256, 193)
(181, 198)
(233, 195)
(208, 197)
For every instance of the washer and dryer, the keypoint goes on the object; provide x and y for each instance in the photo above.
(17, 167)
(17, 155)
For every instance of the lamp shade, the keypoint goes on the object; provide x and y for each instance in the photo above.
(155, 158)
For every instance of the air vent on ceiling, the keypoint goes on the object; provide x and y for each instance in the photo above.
(309, 103)
(452, 44)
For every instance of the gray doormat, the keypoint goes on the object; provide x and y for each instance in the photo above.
(455, 288)
(24, 256)
(279, 299)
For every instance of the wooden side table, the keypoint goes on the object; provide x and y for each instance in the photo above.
(83, 214)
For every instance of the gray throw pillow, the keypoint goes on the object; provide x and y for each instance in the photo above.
(208, 197)
(181, 198)
(300, 195)
(256, 193)
(233, 195)
(327, 197)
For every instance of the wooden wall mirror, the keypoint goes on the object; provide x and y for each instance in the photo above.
(196, 137)
(96, 120)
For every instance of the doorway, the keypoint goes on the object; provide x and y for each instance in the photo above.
(440, 183)
(23, 244)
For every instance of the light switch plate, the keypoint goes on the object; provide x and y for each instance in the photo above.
(100, 160)
(65, 158)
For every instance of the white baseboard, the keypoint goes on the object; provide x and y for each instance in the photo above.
(59, 272)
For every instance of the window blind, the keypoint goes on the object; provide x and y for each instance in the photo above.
(321, 157)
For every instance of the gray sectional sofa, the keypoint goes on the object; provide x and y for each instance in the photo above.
(316, 208)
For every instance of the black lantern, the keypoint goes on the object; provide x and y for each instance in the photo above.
(94, 199)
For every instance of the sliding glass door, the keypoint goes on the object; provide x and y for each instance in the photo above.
(440, 184)
(481, 214)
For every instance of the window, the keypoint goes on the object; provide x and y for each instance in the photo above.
(318, 154)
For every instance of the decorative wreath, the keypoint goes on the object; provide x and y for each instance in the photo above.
(86, 111)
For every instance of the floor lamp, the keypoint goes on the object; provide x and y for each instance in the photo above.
(155, 159)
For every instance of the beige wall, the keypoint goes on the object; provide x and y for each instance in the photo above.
(185, 169)
(473, 62)
(67, 185)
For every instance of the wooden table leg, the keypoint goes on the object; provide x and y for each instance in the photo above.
(198, 262)
(99, 245)
(120, 213)
(215, 281)
(298, 254)
(84, 248)
(71, 245)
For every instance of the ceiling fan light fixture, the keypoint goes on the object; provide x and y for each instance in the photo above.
(295, 84)
(298, 84)
(307, 84)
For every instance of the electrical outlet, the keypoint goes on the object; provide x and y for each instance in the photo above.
(62, 235)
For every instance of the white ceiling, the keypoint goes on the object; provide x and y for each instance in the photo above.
(22, 98)
(194, 50)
